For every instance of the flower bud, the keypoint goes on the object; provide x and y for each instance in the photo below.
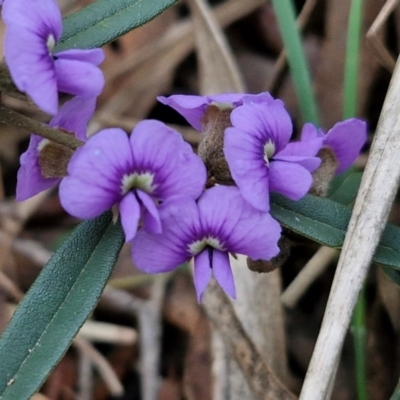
(54, 158)
(214, 122)
(325, 172)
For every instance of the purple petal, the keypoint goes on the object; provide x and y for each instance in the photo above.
(91, 56)
(74, 116)
(306, 148)
(220, 209)
(346, 139)
(263, 97)
(202, 272)
(39, 17)
(103, 160)
(192, 108)
(129, 209)
(256, 234)
(31, 67)
(78, 78)
(152, 216)
(30, 180)
(83, 200)
(155, 253)
(29, 25)
(289, 179)
(244, 154)
(310, 132)
(162, 151)
(238, 226)
(95, 172)
(264, 121)
(309, 163)
(223, 273)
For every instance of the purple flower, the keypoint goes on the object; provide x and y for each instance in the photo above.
(261, 159)
(346, 139)
(193, 107)
(33, 28)
(135, 172)
(219, 223)
(73, 117)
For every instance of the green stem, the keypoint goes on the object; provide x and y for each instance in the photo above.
(13, 118)
(285, 14)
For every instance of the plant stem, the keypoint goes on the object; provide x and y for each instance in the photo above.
(10, 117)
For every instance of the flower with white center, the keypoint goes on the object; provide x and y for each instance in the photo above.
(33, 27)
(219, 223)
(260, 157)
(135, 172)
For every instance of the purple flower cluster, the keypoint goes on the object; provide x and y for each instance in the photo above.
(152, 176)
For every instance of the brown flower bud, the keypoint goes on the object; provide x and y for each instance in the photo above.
(214, 123)
(325, 173)
(262, 266)
(54, 158)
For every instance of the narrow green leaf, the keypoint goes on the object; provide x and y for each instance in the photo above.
(56, 306)
(285, 14)
(325, 221)
(104, 20)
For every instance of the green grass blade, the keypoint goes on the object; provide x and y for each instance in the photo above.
(352, 57)
(285, 14)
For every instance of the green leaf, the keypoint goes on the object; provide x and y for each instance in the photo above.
(104, 20)
(56, 306)
(325, 221)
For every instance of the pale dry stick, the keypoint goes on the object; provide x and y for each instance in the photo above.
(217, 66)
(384, 57)
(150, 339)
(85, 377)
(102, 365)
(280, 63)
(373, 203)
(103, 332)
(149, 313)
(263, 382)
(311, 271)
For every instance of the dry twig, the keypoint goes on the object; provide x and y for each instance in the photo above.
(374, 200)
